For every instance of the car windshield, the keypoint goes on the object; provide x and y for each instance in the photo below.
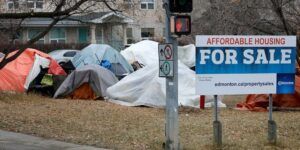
(70, 54)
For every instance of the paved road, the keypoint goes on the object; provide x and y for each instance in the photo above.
(17, 141)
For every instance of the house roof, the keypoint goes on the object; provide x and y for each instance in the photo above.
(81, 20)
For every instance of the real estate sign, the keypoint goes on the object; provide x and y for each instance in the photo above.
(245, 64)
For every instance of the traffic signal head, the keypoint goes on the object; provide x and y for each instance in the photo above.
(180, 25)
(181, 6)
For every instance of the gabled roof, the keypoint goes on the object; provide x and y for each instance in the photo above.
(112, 17)
(81, 20)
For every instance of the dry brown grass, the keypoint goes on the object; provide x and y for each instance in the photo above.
(107, 125)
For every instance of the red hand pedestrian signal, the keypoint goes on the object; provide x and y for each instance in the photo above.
(181, 25)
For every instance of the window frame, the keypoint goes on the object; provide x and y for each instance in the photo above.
(129, 36)
(148, 37)
(146, 3)
(41, 40)
(57, 40)
(35, 4)
(13, 3)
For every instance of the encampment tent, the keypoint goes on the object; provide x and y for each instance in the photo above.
(260, 102)
(146, 53)
(144, 87)
(86, 82)
(104, 55)
(19, 73)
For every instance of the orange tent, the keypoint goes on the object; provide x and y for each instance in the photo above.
(14, 74)
(84, 92)
(260, 102)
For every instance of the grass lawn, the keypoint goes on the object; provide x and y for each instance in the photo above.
(108, 125)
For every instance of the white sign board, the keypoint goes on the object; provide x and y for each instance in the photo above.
(228, 65)
(166, 63)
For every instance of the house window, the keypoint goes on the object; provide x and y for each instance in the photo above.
(129, 35)
(33, 33)
(58, 35)
(147, 4)
(12, 4)
(35, 4)
(147, 33)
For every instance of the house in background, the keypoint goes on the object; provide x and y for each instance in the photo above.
(102, 27)
(139, 20)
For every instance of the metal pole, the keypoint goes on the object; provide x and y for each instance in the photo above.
(172, 128)
(217, 126)
(270, 107)
(216, 107)
(272, 127)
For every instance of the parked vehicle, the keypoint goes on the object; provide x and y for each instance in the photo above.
(64, 55)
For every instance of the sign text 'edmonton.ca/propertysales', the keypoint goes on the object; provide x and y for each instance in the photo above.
(245, 64)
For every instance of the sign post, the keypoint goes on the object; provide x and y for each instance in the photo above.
(169, 58)
(272, 127)
(230, 65)
(217, 126)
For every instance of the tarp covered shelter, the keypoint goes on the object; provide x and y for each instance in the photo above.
(19, 73)
(101, 53)
(145, 88)
(146, 53)
(260, 102)
(87, 82)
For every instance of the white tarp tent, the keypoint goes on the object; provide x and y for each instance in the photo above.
(144, 87)
(146, 53)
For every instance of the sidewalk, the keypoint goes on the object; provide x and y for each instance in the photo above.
(17, 141)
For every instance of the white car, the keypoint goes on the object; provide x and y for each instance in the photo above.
(64, 55)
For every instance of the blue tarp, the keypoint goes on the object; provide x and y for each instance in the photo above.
(96, 53)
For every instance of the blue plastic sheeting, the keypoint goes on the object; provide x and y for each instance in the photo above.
(96, 53)
(106, 64)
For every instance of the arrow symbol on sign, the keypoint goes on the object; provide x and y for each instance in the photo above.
(161, 52)
(161, 67)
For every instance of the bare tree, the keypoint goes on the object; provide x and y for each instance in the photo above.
(58, 10)
(244, 17)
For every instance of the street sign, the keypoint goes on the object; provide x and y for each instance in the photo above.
(165, 68)
(228, 65)
(169, 52)
(166, 63)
